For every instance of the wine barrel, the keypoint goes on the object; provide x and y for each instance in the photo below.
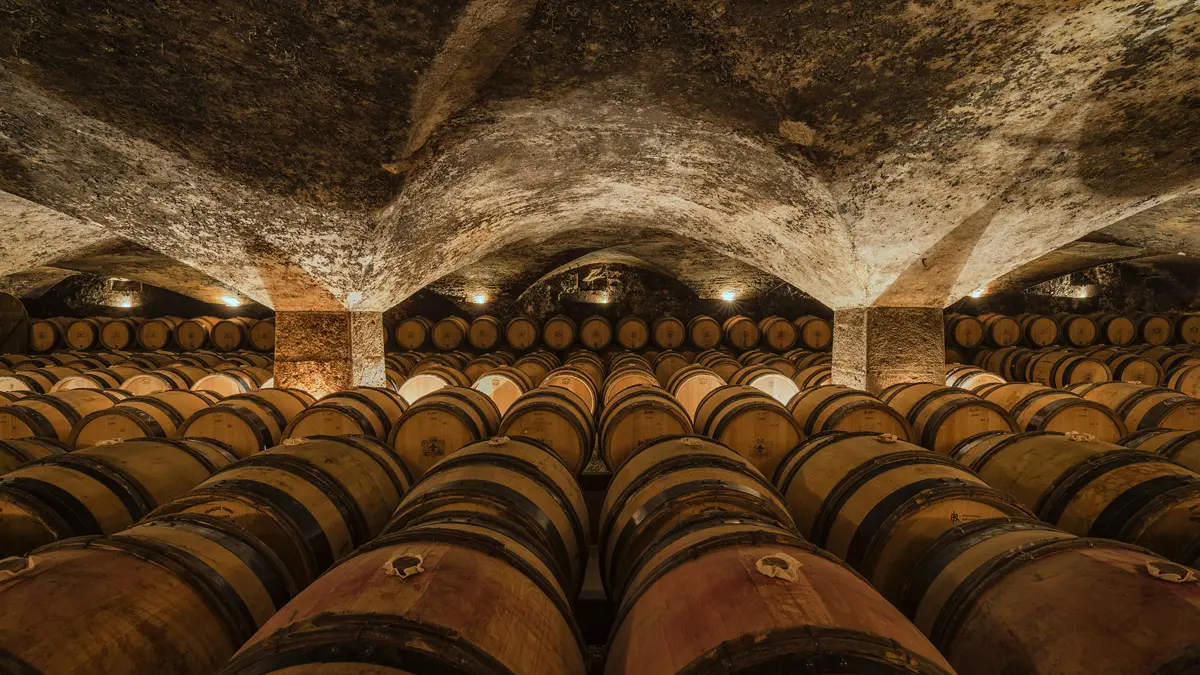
(99, 378)
(767, 380)
(813, 376)
(1114, 329)
(37, 380)
(231, 334)
(878, 503)
(752, 423)
(632, 333)
(672, 479)
(150, 360)
(18, 451)
(312, 502)
(595, 332)
(430, 380)
(704, 331)
(193, 334)
(943, 417)
(53, 415)
(1180, 446)
(119, 334)
(1000, 331)
(450, 333)
(518, 479)
(537, 365)
(157, 415)
(192, 589)
(234, 381)
(741, 333)
(157, 333)
(484, 332)
(668, 332)
(814, 333)
(521, 333)
(836, 408)
(589, 362)
(1002, 361)
(1152, 328)
(1185, 380)
(1075, 330)
(504, 385)
(99, 490)
(1179, 360)
(970, 377)
(262, 335)
(1005, 596)
(1035, 407)
(954, 356)
(557, 418)
(413, 332)
(365, 411)
(248, 423)
(624, 360)
(480, 365)
(635, 417)
(1127, 367)
(164, 379)
(417, 616)
(1185, 328)
(690, 384)
(1144, 407)
(964, 331)
(1060, 368)
(576, 381)
(621, 380)
(666, 364)
(250, 359)
(10, 360)
(47, 334)
(440, 424)
(786, 607)
(778, 333)
(1038, 330)
(1094, 489)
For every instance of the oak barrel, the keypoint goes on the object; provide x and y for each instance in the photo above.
(366, 411)
(99, 490)
(836, 408)
(814, 333)
(234, 381)
(666, 364)
(413, 332)
(248, 423)
(1180, 446)
(16, 452)
(752, 423)
(970, 377)
(942, 417)
(431, 379)
(964, 331)
(634, 417)
(504, 385)
(37, 380)
(1144, 407)
(778, 333)
(740, 332)
(595, 332)
(767, 380)
(157, 415)
(84, 334)
(484, 332)
(1061, 368)
(704, 331)
(1114, 329)
(193, 334)
(54, 415)
(632, 333)
(46, 334)
(578, 382)
(119, 334)
(690, 384)
(556, 417)
(262, 335)
(98, 378)
(1035, 407)
(1152, 328)
(1129, 367)
(164, 379)
(450, 333)
(440, 424)
(813, 376)
(1185, 380)
(1038, 330)
(521, 333)
(620, 380)
(1075, 330)
(668, 332)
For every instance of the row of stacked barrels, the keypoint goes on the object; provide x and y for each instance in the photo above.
(134, 333)
(1176, 368)
(559, 333)
(1071, 330)
(954, 545)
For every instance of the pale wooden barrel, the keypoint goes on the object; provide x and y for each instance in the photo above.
(430, 380)
(632, 333)
(84, 334)
(99, 490)
(556, 417)
(942, 417)
(231, 334)
(54, 415)
(157, 333)
(262, 335)
(813, 376)
(595, 332)
(119, 334)
(248, 423)
(576, 381)
(1180, 446)
(666, 364)
(17, 452)
(621, 380)
(177, 594)
(814, 332)
(767, 380)
(98, 378)
(1185, 380)
(1152, 328)
(690, 384)
(366, 411)
(1144, 407)
(413, 332)
(778, 333)
(1115, 329)
(1061, 368)
(193, 334)
(1005, 596)
(1038, 330)
(740, 332)
(450, 333)
(37, 380)
(750, 422)
(440, 424)
(1035, 407)
(668, 332)
(970, 377)
(234, 381)
(521, 333)
(46, 334)
(964, 331)
(1128, 367)
(504, 385)
(164, 379)
(635, 417)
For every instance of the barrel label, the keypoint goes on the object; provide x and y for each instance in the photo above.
(433, 447)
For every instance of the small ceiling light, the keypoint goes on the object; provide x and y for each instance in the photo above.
(125, 302)
(479, 299)
(353, 299)
(604, 298)
(1181, 253)
(978, 292)
(728, 296)
(231, 301)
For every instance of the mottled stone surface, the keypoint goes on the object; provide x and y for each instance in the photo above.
(325, 352)
(876, 347)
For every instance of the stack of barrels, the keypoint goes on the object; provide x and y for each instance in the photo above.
(169, 332)
(597, 333)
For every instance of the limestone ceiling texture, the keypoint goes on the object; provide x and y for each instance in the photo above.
(347, 154)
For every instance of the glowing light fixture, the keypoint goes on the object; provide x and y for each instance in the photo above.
(231, 301)
(603, 298)
(729, 296)
(978, 292)
(125, 302)
(479, 299)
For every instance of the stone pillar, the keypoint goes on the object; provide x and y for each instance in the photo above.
(875, 347)
(325, 352)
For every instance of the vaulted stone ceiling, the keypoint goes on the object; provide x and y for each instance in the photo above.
(324, 155)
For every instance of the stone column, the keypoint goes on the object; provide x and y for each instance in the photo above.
(325, 352)
(875, 347)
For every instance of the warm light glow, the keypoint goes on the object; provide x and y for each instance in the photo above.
(353, 299)
(604, 298)
(978, 292)
(729, 296)
(231, 301)
(125, 302)
(479, 299)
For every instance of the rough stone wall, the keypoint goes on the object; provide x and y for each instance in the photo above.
(876, 347)
(84, 295)
(325, 352)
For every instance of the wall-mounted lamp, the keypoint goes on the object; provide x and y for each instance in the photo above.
(479, 299)
(231, 301)
(729, 296)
